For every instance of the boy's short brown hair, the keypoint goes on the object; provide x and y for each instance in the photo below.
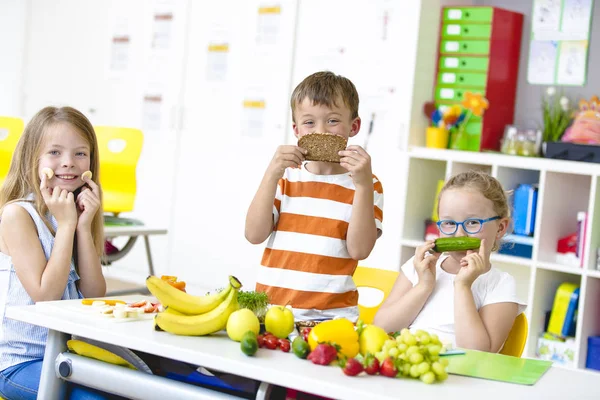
(324, 88)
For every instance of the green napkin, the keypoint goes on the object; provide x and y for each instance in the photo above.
(498, 367)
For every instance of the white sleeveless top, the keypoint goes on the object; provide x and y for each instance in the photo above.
(20, 341)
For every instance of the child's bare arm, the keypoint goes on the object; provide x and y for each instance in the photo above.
(92, 282)
(362, 232)
(485, 330)
(403, 305)
(259, 218)
(43, 279)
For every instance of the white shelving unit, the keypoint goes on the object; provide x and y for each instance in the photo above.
(565, 187)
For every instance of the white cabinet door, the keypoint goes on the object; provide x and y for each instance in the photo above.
(71, 57)
(374, 44)
(13, 14)
(235, 101)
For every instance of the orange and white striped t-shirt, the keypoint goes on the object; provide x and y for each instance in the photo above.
(306, 262)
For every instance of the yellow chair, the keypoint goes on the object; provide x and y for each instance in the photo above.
(120, 150)
(515, 342)
(373, 278)
(10, 131)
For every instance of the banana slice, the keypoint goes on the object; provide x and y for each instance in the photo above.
(98, 303)
(86, 173)
(48, 172)
(120, 313)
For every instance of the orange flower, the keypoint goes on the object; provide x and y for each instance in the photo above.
(475, 102)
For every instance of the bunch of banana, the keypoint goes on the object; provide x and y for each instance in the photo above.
(190, 315)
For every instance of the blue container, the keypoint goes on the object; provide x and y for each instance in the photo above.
(524, 206)
(593, 353)
(517, 245)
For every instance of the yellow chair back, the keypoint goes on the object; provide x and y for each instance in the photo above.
(515, 343)
(373, 278)
(11, 129)
(120, 150)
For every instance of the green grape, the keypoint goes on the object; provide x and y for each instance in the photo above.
(438, 368)
(412, 350)
(399, 339)
(404, 331)
(425, 339)
(388, 344)
(433, 358)
(402, 357)
(420, 332)
(416, 358)
(410, 339)
(428, 378)
(393, 352)
(435, 339)
(442, 377)
(380, 356)
(423, 367)
(444, 361)
(402, 347)
(434, 349)
(406, 369)
(414, 371)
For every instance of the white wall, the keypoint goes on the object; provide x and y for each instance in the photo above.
(197, 174)
(13, 24)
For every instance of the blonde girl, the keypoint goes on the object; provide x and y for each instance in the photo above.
(51, 236)
(459, 295)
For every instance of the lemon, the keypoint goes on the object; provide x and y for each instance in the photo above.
(240, 322)
(372, 339)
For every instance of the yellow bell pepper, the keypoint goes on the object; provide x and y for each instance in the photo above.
(338, 332)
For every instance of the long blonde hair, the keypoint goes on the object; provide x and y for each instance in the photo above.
(23, 178)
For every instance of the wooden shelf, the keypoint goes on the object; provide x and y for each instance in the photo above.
(559, 268)
(503, 258)
(593, 273)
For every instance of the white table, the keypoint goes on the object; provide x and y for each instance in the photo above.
(274, 366)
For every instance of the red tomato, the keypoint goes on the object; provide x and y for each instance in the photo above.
(271, 342)
(284, 345)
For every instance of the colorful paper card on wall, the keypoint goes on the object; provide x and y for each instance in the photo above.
(558, 50)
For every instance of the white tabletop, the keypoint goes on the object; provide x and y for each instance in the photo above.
(134, 230)
(285, 369)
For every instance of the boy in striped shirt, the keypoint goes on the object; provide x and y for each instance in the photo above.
(320, 217)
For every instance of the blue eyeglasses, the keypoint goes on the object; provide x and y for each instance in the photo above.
(470, 225)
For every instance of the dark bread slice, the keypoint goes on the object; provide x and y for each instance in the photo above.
(323, 146)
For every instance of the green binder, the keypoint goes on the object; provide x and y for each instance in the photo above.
(498, 367)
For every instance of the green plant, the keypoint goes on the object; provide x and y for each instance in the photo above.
(255, 301)
(557, 115)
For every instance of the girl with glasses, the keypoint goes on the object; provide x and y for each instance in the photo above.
(459, 295)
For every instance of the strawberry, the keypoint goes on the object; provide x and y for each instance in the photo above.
(323, 354)
(388, 368)
(352, 367)
(371, 364)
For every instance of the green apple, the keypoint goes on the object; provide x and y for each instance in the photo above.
(279, 321)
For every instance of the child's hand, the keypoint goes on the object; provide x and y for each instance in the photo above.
(88, 204)
(60, 202)
(286, 156)
(473, 265)
(425, 266)
(357, 161)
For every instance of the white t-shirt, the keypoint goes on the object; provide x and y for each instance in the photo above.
(437, 315)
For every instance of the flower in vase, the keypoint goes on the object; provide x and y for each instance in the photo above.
(475, 102)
